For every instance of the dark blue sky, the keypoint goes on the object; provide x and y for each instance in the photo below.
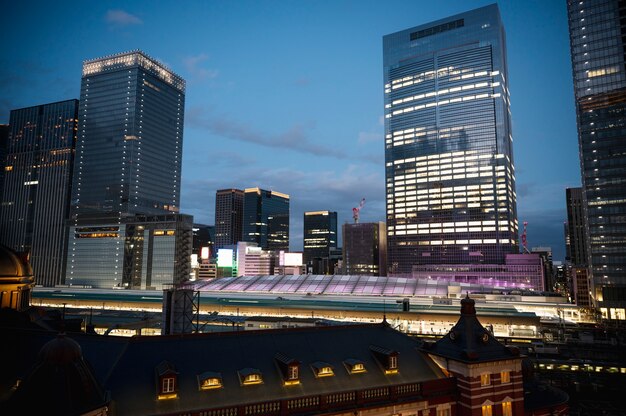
(288, 95)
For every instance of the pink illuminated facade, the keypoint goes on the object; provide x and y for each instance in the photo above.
(521, 271)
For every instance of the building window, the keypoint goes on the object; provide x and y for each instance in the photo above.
(322, 369)
(168, 385)
(443, 412)
(393, 362)
(209, 381)
(248, 376)
(355, 366)
(487, 411)
(507, 409)
(293, 372)
(505, 377)
(485, 379)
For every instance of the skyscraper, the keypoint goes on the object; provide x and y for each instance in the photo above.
(450, 179)
(365, 249)
(320, 235)
(36, 195)
(126, 192)
(576, 226)
(228, 217)
(129, 150)
(4, 143)
(266, 219)
(597, 30)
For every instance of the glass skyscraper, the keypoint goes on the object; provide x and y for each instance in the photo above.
(36, 195)
(228, 217)
(129, 150)
(126, 193)
(266, 219)
(450, 180)
(597, 31)
(320, 235)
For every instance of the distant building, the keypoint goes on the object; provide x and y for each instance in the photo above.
(580, 287)
(450, 177)
(228, 217)
(266, 219)
(576, 226)
(253, 260)
(597, 51)
(37, 185)
(521, 271)
(140, 252)
(365, 249)
(320, 236)
(203, 237)
(4, 142)
(546, 257)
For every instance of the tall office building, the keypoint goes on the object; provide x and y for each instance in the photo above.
(266, 219)
(129, 150)
(450, 179)
(228, 217)
(320, 236)
(365, 249)
(597, 33)
(127, 174)
(4, 143)
(576, 226)
(37, 182)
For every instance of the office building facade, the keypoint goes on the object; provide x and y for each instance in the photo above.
(228, 217)
(130, 138)
(577, 253)
(365, 249)
(597, 29)
(450, 179)
(266, 219)
(320, 236)
(37, 185)
(140, 252)
(4, 143)
(127, 173)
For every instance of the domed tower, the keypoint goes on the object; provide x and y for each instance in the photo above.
(61, 383)
(16, 280)
(489, 374)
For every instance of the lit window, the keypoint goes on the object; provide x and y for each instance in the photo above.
(505, 377)
(168, 385)
(485, 379)
(487, 410)
(507, 409)
(293, 372)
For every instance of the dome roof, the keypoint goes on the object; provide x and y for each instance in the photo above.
(60, 351)
(13, 265)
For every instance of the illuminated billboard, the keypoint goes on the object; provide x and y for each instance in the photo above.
(225, 257)
(290, 259)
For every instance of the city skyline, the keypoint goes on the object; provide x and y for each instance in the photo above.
(325, 149)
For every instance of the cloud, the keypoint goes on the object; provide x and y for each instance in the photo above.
(193, 66)
(367, 137)
(295, 138)
(121, 18)
(302, 81)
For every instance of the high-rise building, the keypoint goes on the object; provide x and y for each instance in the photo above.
(130, 139)
(127, 173)
(450, 179)
(545, 253)
(576, 226)
(228, 217)
(320, 235)
(4, 143)
(365, 249)
(36, 195)
(266, 219)
(597, 29)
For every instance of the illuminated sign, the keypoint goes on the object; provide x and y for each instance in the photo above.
(225, 257)
(290, 259)
(204, 253)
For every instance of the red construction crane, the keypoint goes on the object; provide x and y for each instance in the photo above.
(356, 211)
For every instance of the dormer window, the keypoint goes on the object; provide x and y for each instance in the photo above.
(250, 376)
(355, 366)
(322, 369)
(388, 359)
(167, 381)
(209, 381)
(289, 368)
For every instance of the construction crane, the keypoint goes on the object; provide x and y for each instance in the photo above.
(356, 211)
(524, 238)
